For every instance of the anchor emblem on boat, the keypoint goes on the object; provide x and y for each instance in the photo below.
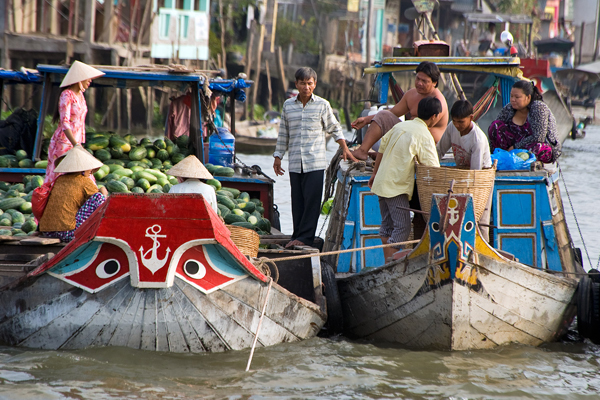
(153, 263)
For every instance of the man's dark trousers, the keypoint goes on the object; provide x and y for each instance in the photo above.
(307, 191)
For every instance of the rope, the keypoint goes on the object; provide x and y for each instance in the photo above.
(485, 102)
(574, 215)
(259, 324)
(329, 253)
(266, 265)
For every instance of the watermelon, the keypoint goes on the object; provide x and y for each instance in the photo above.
(143, 184)
(151, 152)
(36, 181)
(116, 152)
(177, 157)
(138, 153)
(29, 226)
(130, 183)
(5, 232)
(116, 187)
(21, 154)
(137, 168)
(223, 171)
(233, 191)
(26, 163)
(124, 172)
(4, 162)
(232, 218)
(43, 164)
(115, 161)
(97, 143)
(162, 155)
(11, 203)
(102, 155)
(145, 175)
(153, 188)
(172, 149)
(226, 201)
(137, 189)
(130, 139)
(182, 141)
(120, 143)
(172, 180)
(25, 208)
(215, 183)
(160, 144)
(112, 177)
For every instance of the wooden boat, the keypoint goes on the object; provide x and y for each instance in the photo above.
(142, 274)
(449, 290)
(455, 292)
(248, 140)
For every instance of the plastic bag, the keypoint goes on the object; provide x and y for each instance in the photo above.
(39, 199)
(509, 160)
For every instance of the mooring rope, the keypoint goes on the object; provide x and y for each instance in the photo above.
(329, 253)
(262, 315)
(575, 216)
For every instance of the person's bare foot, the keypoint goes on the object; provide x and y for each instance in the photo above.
(360, 154)
(293, 243)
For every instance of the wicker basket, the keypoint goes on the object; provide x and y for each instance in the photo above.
(245, 239)
(478, 183)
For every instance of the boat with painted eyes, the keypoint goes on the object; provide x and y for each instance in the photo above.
(454, 291)
(142, 274)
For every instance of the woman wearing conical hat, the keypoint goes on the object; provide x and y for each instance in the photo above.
(192, 170)
(74, 197)
(70, 113)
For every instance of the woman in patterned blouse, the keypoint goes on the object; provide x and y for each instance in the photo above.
(526, 123)
(70, 114)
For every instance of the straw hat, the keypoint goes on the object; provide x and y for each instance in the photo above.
(77, 160)
(190, 167)
(80, 72)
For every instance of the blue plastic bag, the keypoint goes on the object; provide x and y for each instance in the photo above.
(509, 160)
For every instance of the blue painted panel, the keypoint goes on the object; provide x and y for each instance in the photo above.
(345, 259)
(523, 247)
(370, 210)
(373, 258)
(516, 209)
(223, 260)
(78, 259)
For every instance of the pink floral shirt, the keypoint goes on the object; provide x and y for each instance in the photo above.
(72, 109)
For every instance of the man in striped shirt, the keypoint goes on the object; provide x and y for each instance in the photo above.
(305, 120)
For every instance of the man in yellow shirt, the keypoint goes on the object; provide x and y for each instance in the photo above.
(394, 172)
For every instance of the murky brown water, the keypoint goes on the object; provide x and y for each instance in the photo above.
(333, 368)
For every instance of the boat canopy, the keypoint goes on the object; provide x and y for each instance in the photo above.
(501, 66)
(22, 76)
(152, 76)
(498, 18)
(594, 67)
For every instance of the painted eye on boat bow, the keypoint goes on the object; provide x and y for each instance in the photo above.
(435, 226)
(194, 269)
(108, 269)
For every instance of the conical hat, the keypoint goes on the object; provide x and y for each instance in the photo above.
(77, 160)
(80, 72)
(190, 167)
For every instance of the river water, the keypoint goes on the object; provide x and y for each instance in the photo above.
(334, 368)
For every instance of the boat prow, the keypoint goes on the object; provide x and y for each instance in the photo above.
(455, 292)
(153, 272)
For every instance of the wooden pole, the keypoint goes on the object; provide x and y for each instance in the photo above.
(270, 98)
(248, 70)
(222, 24)
(580, 42)
(261, 39)
(368, 46)
(281, 71)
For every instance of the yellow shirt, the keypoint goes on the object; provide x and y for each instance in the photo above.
(404, 144)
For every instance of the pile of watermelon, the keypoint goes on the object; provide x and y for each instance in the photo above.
(132, 166)
(237, 208)
(16, 218)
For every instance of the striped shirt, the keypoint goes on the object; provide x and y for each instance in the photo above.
(302, 131)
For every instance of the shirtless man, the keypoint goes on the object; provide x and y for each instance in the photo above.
(426, 82)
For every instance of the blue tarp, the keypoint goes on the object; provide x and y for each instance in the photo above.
(236, 86)
(19, 76)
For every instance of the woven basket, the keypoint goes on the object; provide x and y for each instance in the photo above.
(245, 239)
(479, 183)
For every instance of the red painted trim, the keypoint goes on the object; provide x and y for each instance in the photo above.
(189, 213)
